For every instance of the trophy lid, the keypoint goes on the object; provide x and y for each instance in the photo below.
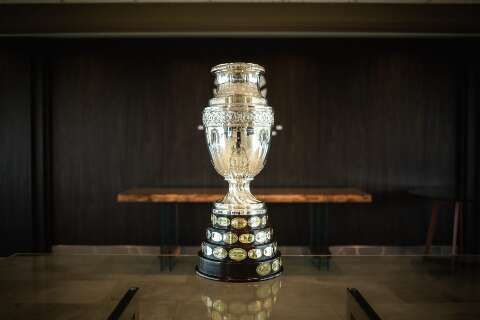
(239, 83)
(238, 67)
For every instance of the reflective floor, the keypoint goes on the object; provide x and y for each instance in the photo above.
(312, 287)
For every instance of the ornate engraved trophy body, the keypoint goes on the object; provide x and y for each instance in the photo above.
(239, 244)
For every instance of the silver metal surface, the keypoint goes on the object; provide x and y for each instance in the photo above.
(238, 128)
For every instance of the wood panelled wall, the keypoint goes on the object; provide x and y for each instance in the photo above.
(16, 230)
(377, 114)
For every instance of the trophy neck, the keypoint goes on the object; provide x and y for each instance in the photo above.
(237, 101)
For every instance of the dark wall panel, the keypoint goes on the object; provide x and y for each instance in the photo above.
(376, 114)
(469, 160)
(15, 151)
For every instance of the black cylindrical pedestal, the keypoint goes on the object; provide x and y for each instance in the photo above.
(239, 248)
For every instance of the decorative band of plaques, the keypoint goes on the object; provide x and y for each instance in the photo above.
(246, 212)
(253, 222)
(218, 236)
(218, 117)
(248, 270)
(239, 254)
(266, 268)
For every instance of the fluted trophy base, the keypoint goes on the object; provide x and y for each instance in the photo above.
(239, 248)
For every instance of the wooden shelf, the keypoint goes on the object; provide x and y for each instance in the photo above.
(250, 19)
(269, 195)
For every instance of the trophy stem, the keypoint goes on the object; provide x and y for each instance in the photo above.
(239, 192)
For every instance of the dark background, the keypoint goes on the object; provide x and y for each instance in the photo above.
(81, 120)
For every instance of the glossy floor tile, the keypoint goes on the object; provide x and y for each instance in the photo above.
(312, 287)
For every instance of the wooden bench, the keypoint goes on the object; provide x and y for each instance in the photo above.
(312, 196)
(269, 195)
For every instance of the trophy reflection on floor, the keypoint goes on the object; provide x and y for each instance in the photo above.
(241, 301)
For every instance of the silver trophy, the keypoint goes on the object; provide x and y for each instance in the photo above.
(238, 124)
